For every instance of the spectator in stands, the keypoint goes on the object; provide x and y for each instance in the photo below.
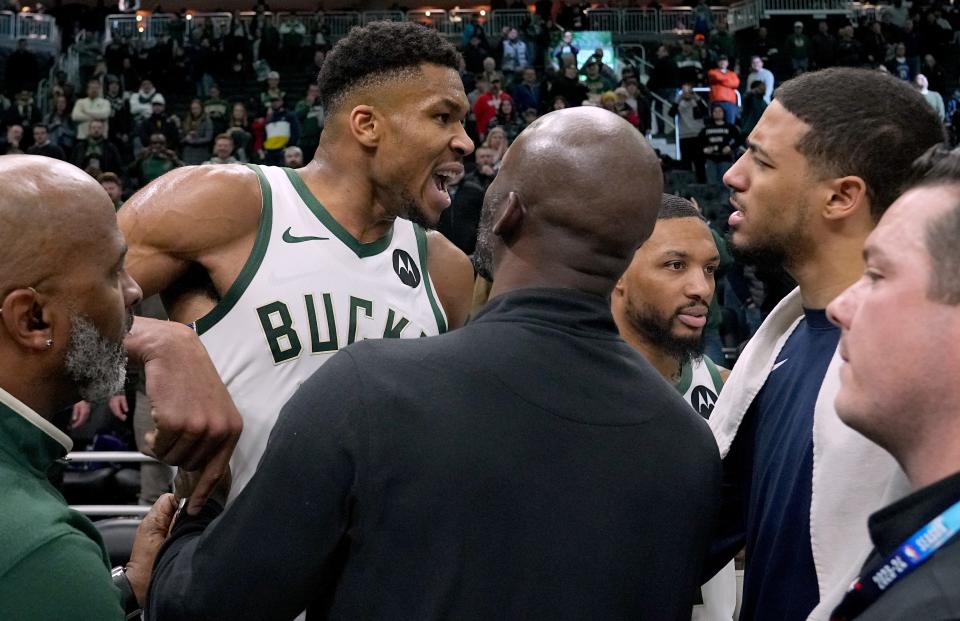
(154, 161)
(899, 66)
(761, 73)
(761, 45)
(460, 221)
(201, 62)
(875, 44)
(114, 53)
(273, 90)
(293, 157)
(702, 18)
(911, 39)
(849, 52)
(240, 130)
(223, 148)
(514, 55)
(723, 89)
(568, 86)
(25, 113)
(141, 102)
(664, 82)
(823, 47)
(488, 104)
(529, 116)
(754, 103)
(196, 134)
(692, 111)
(114, 188)
(797, 48)
(613, 102)
(93, 107)
(490, 69)
(596, 82)
(13, 141)
(281, 130)
(564, 49)
(497, 141)
(719, 142)
(706, 57)
(474, 54)
(933, 98)
(529, 92)
(62, 130)
(310, 115)
(508, 119)
(22, 69)
(216, 108)
(721, 42)
(95, 151)
(43, 146)
(689, 65)
(936, 79)
(63, 327)
(160, 122)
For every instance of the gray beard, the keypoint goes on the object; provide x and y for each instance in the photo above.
(97, 365)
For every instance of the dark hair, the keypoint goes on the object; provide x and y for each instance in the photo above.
(862, 123)
(673, 206)
(378, 51)
(940, 166)
(41, 125)
(756, 83)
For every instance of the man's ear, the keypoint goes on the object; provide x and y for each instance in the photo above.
(366, 125)
(848, 196)
(511, 219)
(27, 320)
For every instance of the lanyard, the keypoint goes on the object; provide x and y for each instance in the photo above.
(911, 554)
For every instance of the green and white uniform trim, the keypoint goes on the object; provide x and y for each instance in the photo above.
(308, 289)
(700, 385)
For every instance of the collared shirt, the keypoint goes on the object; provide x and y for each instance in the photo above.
(932, 591)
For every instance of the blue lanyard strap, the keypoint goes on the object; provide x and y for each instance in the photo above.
(911, 554)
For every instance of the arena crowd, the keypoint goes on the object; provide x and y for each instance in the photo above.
(623, 396)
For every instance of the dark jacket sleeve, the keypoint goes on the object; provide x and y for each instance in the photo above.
(275, 550)
(731, 532)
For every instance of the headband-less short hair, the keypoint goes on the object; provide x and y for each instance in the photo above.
(862, 123)
(377, 52)
(940, 166)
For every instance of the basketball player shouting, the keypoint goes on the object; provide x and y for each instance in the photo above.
(278, 269)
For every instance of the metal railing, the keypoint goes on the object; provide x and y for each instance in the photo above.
(8, 25)
(110, 457)
(804, 7)
(606, 19)
(40, 31)
(383, 16)
(432, 18)
(507, 18)
(340, 22)
(744, 14)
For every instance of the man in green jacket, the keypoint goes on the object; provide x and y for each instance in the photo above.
(65, 303)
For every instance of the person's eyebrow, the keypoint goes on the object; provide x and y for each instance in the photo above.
(753, 146)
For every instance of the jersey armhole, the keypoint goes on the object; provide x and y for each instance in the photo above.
(253, 262)
(438, 313)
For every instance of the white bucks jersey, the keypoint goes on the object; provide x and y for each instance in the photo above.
(700, 385)
(308, 289)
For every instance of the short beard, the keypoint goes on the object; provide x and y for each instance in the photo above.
(97, 365)
(483, 251)
(781, 249)
(656, 329)
(410, 210)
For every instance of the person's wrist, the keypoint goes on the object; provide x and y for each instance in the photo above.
(129, 600)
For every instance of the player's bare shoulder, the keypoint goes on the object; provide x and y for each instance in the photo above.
(452, 274)
(192, 209)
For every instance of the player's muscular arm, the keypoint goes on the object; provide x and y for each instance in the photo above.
(204, 216)
(452, 275)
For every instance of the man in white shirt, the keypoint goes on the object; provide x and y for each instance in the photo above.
(759, 72)
(92, 107)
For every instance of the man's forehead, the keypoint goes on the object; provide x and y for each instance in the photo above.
(682, 234)
(778, 131)
(906, 220)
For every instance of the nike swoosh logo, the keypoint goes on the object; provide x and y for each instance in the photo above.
(779, 364)
(292, 239)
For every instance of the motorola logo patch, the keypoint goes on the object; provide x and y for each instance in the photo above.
(703, 399)
(405, 268)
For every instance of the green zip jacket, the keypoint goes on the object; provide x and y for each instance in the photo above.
(53, 565)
